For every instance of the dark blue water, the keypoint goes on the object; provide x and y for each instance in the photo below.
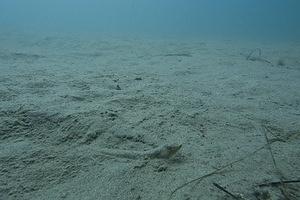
(263, 19)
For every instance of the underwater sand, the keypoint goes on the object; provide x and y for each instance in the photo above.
(64, 98)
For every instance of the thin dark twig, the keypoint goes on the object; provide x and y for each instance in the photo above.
(257, 58)
(278, 172)
(226, 191)
(194, 180)
(276, 183)
(217, 171)
(252, 52)
(274, 135)
(270, 149)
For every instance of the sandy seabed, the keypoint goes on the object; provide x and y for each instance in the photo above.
(234, 107)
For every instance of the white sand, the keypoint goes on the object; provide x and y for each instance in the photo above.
(63, 98)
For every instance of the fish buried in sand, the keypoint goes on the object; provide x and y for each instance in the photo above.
(162, 152)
